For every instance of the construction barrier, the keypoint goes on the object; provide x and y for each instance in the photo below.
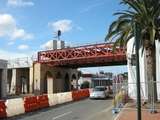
(64, 97)
(14, 107)
(3, 113)
(42, 101)
(31, 103)
(53, 100)
(68, 97)
(18, 106)
(80, 94)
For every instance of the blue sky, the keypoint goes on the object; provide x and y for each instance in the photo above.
(27, 25)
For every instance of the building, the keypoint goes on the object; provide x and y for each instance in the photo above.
(132, 70)
(99, 79)
(3, 78)
(25, 75)
(55, 44)
(18, 78)
(102, 79)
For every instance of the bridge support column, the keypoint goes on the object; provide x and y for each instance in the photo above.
(49, 79)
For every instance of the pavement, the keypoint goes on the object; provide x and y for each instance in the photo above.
(82, 110)
(129, 112)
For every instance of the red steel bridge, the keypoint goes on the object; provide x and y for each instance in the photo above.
(84, 56)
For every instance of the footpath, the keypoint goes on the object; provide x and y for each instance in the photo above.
(129, 112)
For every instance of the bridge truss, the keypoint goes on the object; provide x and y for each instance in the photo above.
(84, 56)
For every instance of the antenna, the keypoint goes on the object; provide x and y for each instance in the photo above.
(57, 34)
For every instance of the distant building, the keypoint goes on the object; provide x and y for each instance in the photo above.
(102, 79)
(56, 44)
(99, 79)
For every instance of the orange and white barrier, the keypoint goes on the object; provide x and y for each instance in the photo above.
(80, 94)
(3, 113)
(18, 106)
(64, 97)
(52, 99)
(42, 101)
(31, 103)
(14, 107)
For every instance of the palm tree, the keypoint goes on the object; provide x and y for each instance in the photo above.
(145, 13)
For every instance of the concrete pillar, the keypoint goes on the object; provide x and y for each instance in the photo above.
(31, 80)
(13, 82)
(4, 82)
(131, 69)
(50, 85)
(37, 78)
(158, 68)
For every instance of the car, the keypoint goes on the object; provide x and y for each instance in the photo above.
(99, 92)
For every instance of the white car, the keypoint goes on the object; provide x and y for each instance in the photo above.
(99, 92)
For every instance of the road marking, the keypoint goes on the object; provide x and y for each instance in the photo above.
(59, 116)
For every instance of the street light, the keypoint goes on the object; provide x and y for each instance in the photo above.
(137, 34)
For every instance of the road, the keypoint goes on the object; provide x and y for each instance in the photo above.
(81, 110)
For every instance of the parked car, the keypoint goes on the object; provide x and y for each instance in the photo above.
(99, 92)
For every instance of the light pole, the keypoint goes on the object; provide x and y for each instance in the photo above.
(137, 34)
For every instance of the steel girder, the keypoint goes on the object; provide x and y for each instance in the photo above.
(84, 56)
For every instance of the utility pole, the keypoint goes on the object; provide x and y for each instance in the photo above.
(137, 34)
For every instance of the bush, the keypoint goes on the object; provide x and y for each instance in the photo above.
(85, 85)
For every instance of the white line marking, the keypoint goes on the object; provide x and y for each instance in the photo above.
(59, 116)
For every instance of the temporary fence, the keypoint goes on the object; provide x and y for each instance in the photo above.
(124, 92)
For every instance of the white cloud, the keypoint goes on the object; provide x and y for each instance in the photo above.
(64, 25)
(47, 45)
(20, 3)
(20, 33)
(9, 28)
(11, 55)
(23, 47)
(11, 43)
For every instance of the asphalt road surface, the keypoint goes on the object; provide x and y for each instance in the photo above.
(81, 110)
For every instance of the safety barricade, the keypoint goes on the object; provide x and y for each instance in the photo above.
(42, 101)
(68, 96)
(64, 97)
(86, 93)
(14, 107)
(53, 100)
(31, 103)
(80, 94)
(3, 113)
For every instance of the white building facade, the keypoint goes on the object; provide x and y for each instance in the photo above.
(131, 64)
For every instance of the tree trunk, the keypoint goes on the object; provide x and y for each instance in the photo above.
(151, 72)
